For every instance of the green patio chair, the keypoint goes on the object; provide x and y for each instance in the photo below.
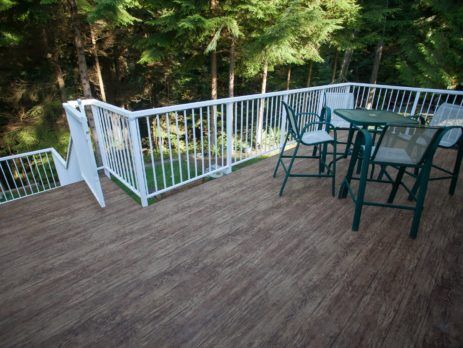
(315, 132)
(449, 115)
(393, 151)
(338, 100)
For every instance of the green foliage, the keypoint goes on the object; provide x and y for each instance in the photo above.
(157, 52)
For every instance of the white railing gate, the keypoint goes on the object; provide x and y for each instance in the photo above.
(80, 135)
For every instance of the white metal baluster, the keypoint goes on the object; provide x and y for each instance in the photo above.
(229, 130)
(273, 120)
(178, 148)
(38, 171)
(25, 174)
(161, 150)
(363, 102)
(116, 153)
(170, 149)
(241, 129)
(126, 154)
(265, 101)
(424, 102)
(3, 191)
(153, 167)
(235, 134)
(101, 140)
(430, 103)
(44, 171)
(128, 148)
(414, 103)
(252, 121)
(51, 169)
(283, 120)
(395, 101)
(6, 179)
(33, 174)
(194, 141)
(19, 176)
(216, 140)
(139, 163)
(106, 139)
(202, 140)
(185, 121)
(247, 122)
(221, 131)
(208, 137)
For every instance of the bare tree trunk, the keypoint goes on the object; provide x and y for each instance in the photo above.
(83, 72)
(288, 78)
(97, 65)
(53, 57)
(60, 80)
(82, 64)
(231, 71)
(309, 74)
(377, 61)
(345, 64)
(374, 72)
(260, 120)
(335, 66)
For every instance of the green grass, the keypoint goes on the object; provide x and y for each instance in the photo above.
(177, 172)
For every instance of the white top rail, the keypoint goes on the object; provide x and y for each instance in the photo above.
(404, 88)
(180, 107)
(30, 153)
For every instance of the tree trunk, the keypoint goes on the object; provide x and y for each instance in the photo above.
(374, 72)
(288, 78)
(97, 65)
(335, 66)
(82, 64)
(377, 61)
(53, 57)
(260, 120)
(231, 71)
(345, 64)
(309, 75)
(83, 72)
(60, 80)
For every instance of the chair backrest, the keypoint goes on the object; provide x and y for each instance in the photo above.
(448, 115)
(293, 127)
(337, 101)
(417, 145)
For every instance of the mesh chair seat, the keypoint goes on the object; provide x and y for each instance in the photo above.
(316, 137)
(395, 156)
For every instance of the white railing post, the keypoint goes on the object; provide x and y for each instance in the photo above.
(139, 167)
(229, 130)
(100, 136)
(415, 103)
(283, 122)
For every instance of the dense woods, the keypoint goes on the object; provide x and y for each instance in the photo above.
(148, 53)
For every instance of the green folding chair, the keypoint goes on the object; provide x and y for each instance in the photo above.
(393, 150)
(315, 132)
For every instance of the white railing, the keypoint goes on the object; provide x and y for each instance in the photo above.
(156, 150)
(33, 172)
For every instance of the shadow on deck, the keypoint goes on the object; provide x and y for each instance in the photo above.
(229, 263)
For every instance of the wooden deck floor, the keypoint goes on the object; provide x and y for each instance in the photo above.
(229, 264)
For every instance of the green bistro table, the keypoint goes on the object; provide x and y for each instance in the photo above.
(362, 118)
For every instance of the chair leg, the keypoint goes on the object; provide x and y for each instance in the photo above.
(350, 136)
(288, 172)
(322, 159)
(456, 169)
(333, 179)
(350, 171)
(360, 193)
(314, 152)
(396, 184)
(423, 186)
(279, 157)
